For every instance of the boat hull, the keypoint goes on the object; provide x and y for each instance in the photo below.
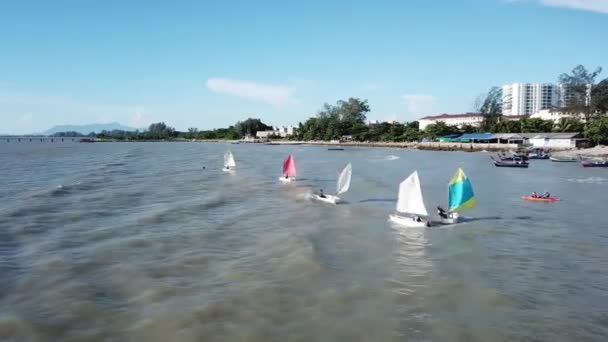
(515, 165)
(594, 164)
(327, 199)
(452, 218)
(407, 221)
(228, 170)
(563, 160)
(539, 199)
(286, 180)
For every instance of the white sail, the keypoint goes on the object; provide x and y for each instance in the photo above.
(344, 179)
(410, 196)
(229, 160)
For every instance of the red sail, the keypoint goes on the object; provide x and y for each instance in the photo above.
(289, 167)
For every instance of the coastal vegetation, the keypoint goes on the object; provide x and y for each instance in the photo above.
(347, 119)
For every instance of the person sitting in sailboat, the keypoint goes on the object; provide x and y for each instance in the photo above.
(534, 194)
(441, 212)
(546, 194)
(321, 194)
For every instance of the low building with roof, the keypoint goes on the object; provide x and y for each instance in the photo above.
(472, 119)
(556, 140)
(509, 138)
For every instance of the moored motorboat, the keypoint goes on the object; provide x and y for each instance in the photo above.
(515, 163)
(563, 159)
(594, 163)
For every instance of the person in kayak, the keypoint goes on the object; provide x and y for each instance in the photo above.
(321, 194)
(441, 212)
(534, 195)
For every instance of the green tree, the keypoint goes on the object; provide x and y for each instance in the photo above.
(536, 125)
(250, 127)
(597, 130)
(599, 97)
(439, 129)
(569, 124)
(332, 121)
(489, 105)
(507, 126)
(579, 87)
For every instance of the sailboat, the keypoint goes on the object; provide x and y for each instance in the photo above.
(289, 170)
(410, 205)
(229, 163)
(460, 197)
(342, 186)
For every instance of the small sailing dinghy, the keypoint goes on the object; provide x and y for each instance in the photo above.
(341, 187)
(460, 197)
(289, 170)
(229, 163)
(411, 211)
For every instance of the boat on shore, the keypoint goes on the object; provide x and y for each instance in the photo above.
(342, 186)
(289, 170)
(594, 163)
(411, 211)
(460, 197)
(564, 159)
(515, 163)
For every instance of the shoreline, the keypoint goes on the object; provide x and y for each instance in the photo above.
(594, 152)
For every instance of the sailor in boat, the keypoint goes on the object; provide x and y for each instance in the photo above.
(441, 212)
(546, 194)
(286, 177)
(321, 194)
(534, 194)
(227, 167)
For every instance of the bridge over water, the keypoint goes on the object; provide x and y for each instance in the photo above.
(42, 139)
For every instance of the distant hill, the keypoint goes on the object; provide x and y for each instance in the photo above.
(86, 129)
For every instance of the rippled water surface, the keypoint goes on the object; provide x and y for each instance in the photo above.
(137, 242)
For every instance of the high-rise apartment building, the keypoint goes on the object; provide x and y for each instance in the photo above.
(529, 98)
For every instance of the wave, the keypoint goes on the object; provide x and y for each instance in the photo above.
(589, 180)
(391, 158)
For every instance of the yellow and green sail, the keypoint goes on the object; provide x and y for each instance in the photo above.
(460, 192)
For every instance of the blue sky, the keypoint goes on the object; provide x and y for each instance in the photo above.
(207, 64)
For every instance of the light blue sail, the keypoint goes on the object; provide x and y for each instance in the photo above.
(460, 192)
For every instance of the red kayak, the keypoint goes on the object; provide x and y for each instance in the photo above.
(540, 199)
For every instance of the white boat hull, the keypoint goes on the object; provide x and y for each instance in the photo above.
(228, 170)
(409, 222)
(286, 180)
(327, 199)
(452, 218)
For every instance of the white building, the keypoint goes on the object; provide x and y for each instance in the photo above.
(555, 116)
(282, 131)
(472, 119)
(529, 98)
(555, 140)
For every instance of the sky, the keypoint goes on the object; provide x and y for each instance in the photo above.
(208, 64)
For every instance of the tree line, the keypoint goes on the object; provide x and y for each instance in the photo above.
(348, 119)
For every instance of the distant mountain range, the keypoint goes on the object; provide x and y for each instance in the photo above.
(86, 129)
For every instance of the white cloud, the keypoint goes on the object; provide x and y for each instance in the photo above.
(276, 95)
(418, 104)
(137, 119)
(600, 6)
